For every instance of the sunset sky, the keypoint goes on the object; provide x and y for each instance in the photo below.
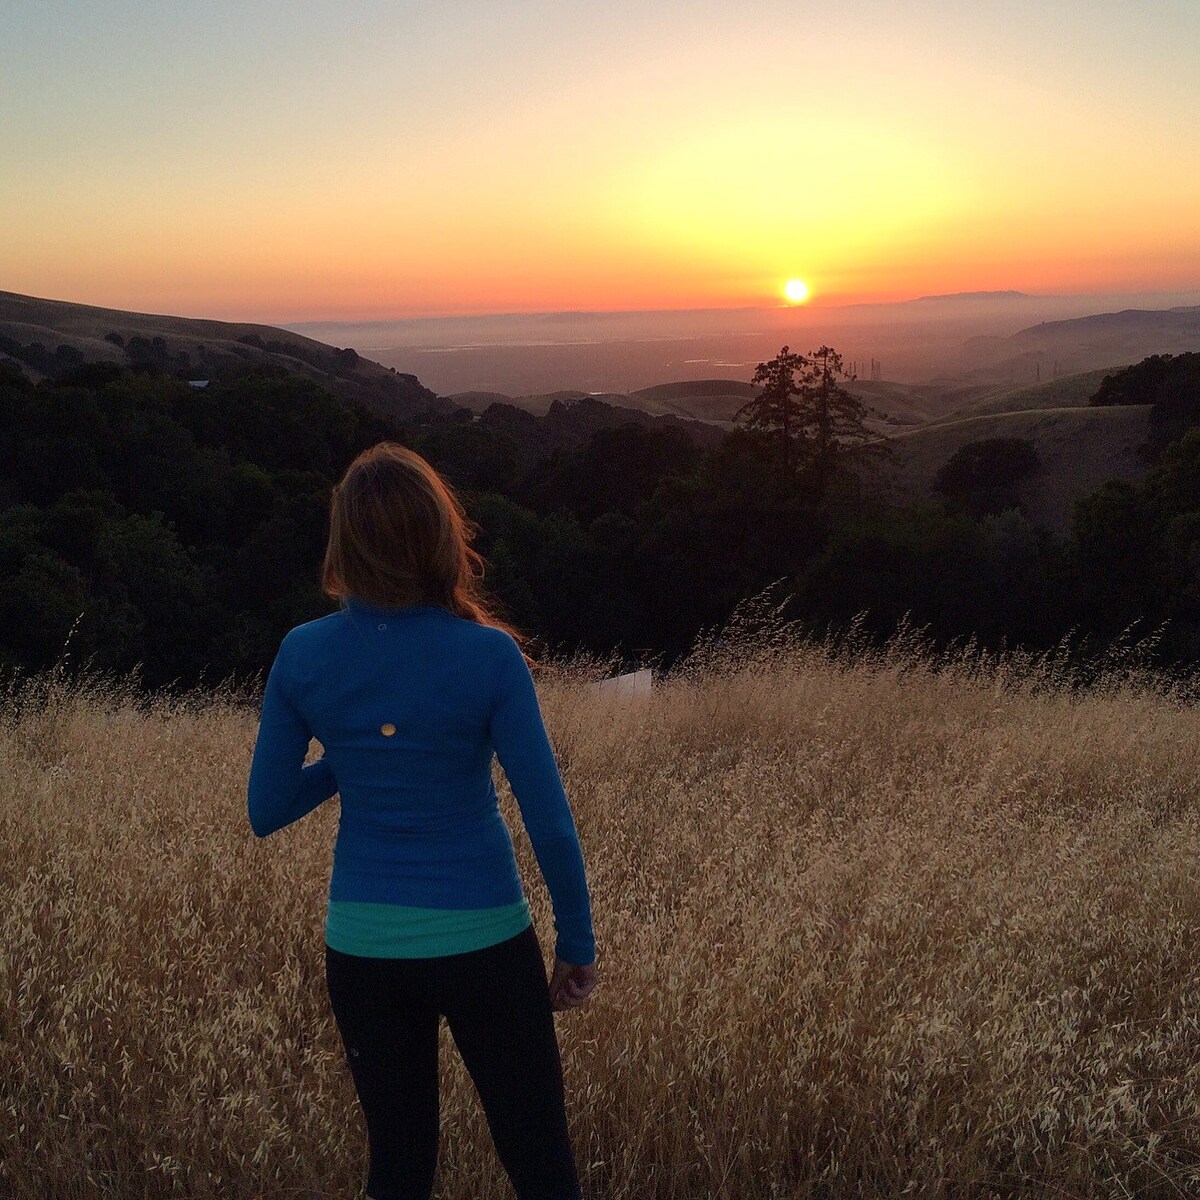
(289, 161)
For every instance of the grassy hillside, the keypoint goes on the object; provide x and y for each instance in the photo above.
(707, 399)
(868, 927)
(203, 348)
(1079, 448)
(911, 404)
(1069, 391)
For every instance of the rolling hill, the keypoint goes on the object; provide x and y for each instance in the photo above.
(33, 331)
(705, 399)
(1069, 391)
(1079, 448)
(713, 400)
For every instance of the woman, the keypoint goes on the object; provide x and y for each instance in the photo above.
(410, 687)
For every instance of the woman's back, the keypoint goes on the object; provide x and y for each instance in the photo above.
(409, 704)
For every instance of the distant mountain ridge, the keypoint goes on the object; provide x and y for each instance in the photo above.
(33, 331)
(1082, 343)
(1003, 295)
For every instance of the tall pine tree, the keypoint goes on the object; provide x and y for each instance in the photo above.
(816, 422)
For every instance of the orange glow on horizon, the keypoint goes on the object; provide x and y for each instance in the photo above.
(679, 218)
(541, 158)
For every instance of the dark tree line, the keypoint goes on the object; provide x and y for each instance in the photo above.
(182, 528)
(1168, 382)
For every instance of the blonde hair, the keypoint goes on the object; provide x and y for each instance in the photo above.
(399, 535)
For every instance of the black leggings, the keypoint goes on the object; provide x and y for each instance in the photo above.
(497, 1003)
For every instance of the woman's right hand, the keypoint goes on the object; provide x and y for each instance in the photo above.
(571, 984)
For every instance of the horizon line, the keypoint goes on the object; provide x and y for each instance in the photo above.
(999, 294)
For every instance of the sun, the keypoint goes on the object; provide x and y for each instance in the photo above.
(796, 291)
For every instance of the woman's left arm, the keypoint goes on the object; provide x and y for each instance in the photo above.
(519, 736)
(281, 789)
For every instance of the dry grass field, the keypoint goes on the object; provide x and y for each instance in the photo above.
(870, 925)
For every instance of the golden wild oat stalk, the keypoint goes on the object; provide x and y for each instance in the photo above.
(871, 924)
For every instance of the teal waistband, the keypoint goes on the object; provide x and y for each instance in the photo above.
(400, 931)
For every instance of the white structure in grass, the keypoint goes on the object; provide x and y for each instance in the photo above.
(635, 683)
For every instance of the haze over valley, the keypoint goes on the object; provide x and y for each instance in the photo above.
(980, 337)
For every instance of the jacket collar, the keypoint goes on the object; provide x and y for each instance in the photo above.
(356, 607)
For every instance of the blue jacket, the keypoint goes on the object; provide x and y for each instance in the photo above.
(410, 704)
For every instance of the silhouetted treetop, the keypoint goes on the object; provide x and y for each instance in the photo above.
(812, 419)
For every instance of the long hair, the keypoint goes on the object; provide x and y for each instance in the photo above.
(399, 535)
